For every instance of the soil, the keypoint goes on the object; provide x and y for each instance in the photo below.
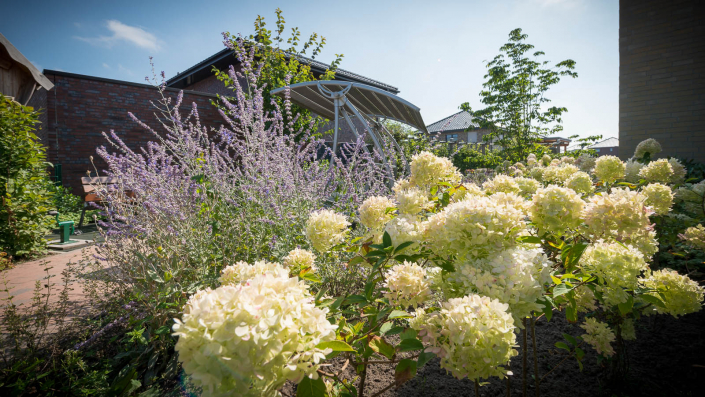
(667, 359)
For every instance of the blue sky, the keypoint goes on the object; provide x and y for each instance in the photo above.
(433, 51)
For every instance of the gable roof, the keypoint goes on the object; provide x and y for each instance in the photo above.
(456, 122)
(222, 59)
(17, 56)
(609, 142)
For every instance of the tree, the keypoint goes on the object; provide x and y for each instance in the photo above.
(515, 98)
(280, 63)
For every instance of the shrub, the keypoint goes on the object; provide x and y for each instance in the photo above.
(25, 189)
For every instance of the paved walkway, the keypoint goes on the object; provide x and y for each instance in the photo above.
(22, 278)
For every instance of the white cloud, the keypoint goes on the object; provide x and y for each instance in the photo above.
(105, 65)
(121, 32)
(124, 70)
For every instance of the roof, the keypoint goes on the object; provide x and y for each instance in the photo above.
(369, 100)
(225, 57)
(609, 142)
(550, 139)
(17, 56)
(457, 122)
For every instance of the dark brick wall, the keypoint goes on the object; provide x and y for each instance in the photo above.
(611, 151)
(80, 108)
(662, 76)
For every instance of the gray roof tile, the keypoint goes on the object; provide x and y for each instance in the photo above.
(457, 122)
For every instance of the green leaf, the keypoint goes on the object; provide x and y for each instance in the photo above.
(529, 240)
(403, 245)
(570, 339)
(405, 371)
(626, 307)
(409, 345)
(560, 289)
(312, 277)
(356, 260)
(336, 345)
(408, 333)
(653, 300)
(562, 345)
(386, 240)
(381, 346)
(424, 358)
(311, 387)
(579, 353)
(395, 331)
(352, 299)
(385, 327)
(399, 314)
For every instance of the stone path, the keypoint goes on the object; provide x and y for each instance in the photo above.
(22, 278)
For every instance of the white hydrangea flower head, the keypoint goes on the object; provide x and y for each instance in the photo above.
(546, 160)
(465, 190)
(585, 162)
(657, 171)
(681, 294)
(567, 160)
(428, 170)
(325, 229)
(559, 174)
(474, 227)
(618, 266)
(512, 200)
(627, 329)
(519, 165)
(631, 171)
(249, 339)
(609, 169)
(650, 146)
(373, 212)
(473, 336)
(599, 336)
(411, 201)
(659, 197)
(530, 157)
(528, 186)
(644, 241)
(679, 171)
(515, 277)
(620, 214)
(531, 162)
(402, 184)
(501, 183)
(300, 259)
(556, 209)
(555, 162)
(585, 299)
(241, 272)
(404, 228)
(537, 173)
(695, 236)
(581, 183)
(407, 284)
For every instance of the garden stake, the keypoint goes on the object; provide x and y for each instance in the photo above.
(536, 360)
(523, 359)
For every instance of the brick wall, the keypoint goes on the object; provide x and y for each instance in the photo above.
(661, 76)
(80, 108)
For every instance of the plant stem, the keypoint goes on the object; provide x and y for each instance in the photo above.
(524, 350)
(379, 393)
(477, 389)
(557, 365)
(536, 359)
(509, 387)
(361, 385)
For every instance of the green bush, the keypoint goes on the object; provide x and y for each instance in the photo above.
(469, 158)
(24, 186)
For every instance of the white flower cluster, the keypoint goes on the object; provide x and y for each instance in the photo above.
(620, 214)
(300, 259)
(528, 186)
(585, 162)
(404, 228)
(617, 267)
(681, 294)
(373, 212)
(428, 170)
(473, 336)
(407, 284)
(474, 227)
(559, 174)
(679, 171)
(657, 171)
(556, 209)
(249, 339)
(599, 336)
(242, 271)
(695, 236)
(609, 169)
(659, 197)
(650, 146)
(631, 171)
(515, 277)
(537, 173)
(411, 201)
(501, 183)
(326, 228)
(467, 190)
(581, 182)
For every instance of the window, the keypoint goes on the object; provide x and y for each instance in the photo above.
(452, 138)
(610, 149)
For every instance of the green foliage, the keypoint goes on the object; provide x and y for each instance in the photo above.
(24, 185)
(515, 98)
(281, 61)
(70, 205)
(468, 157)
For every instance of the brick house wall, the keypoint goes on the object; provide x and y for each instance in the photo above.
(80, 108)
(662, 76)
